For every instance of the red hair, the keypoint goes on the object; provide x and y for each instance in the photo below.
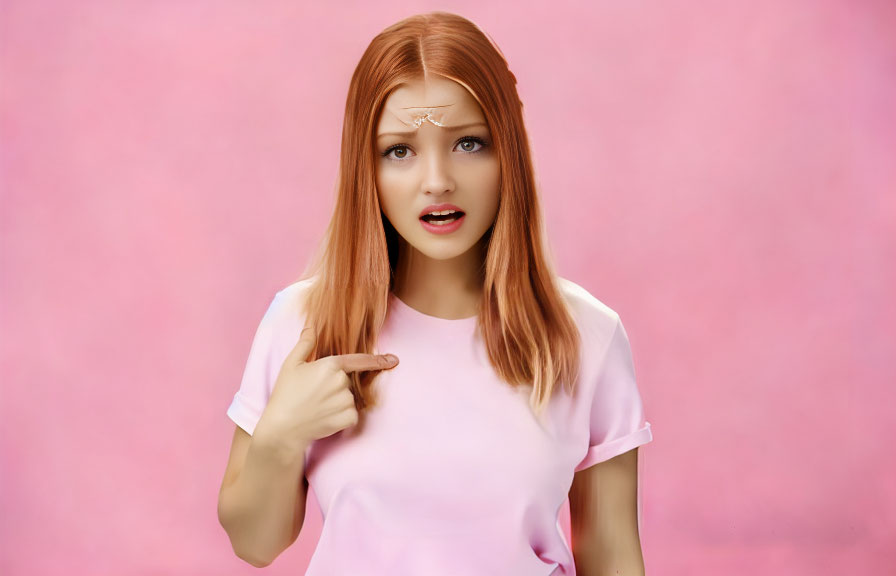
(528, 330)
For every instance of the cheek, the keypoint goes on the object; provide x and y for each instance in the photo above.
(391, 199)
(483, 182)
(388, 181)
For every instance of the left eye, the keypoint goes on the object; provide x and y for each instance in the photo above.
(472, 141)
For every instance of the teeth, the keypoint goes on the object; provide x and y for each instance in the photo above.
(442, 213)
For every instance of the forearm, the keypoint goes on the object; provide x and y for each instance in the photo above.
(265, 506)
(605, 556)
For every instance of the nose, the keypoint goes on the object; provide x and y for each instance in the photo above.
(437, 174)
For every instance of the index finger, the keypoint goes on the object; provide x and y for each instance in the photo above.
(361, 362)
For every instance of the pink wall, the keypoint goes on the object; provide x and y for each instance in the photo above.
(720, 173)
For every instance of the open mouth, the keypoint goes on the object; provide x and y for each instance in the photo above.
(441, 220)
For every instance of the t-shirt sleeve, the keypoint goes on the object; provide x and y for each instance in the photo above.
(617, 422)
(261, 371)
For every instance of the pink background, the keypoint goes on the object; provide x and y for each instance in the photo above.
(720, 173)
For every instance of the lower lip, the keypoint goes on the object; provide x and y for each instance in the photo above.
(443, 228)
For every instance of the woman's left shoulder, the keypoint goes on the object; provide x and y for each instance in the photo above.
(587, 308)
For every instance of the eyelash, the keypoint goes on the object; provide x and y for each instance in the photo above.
(483, 145)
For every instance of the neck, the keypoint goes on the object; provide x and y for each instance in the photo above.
(448, 289)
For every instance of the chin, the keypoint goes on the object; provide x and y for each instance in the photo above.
(442, 248)
(442, 253)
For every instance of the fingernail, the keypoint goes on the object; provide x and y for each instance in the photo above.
(391, 357)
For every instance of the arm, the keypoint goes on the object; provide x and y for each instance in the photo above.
(603, 505)
(261, 504)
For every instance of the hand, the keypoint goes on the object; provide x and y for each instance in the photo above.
(312, 400)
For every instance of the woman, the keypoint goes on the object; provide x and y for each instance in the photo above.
(512, 389)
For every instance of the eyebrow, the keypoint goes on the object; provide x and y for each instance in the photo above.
(449, 128)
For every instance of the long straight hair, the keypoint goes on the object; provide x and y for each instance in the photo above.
(524, 321)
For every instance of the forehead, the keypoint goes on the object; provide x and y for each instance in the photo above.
(440, 100)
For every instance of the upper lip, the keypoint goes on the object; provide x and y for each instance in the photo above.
(438, 208)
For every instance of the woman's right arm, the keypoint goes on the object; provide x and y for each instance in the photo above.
(262, 500)
(261, 504)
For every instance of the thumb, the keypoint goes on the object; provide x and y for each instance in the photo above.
(307, 340)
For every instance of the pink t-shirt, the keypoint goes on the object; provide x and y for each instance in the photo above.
(453, 473)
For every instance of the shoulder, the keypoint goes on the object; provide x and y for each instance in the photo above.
(288, 305)
(293, 295)
(589, 311)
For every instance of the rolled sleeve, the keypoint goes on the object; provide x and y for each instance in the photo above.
(261, 371)
(617, 419)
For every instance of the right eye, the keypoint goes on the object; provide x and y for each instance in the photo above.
(403, 147)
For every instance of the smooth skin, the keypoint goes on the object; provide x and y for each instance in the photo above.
(603, 505)
(436, 274)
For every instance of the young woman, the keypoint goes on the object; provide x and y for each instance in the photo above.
(441, 388)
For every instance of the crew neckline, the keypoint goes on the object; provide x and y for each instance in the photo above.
(406, 309)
